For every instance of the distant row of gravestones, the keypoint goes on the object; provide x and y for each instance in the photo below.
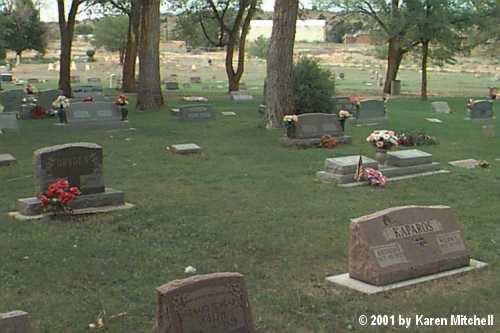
(480, 109)
(390, 249)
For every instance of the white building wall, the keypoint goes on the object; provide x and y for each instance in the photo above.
(307, 30)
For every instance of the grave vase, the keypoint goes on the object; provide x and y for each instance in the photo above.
(291, 132)
(381, 155)
(342, 124)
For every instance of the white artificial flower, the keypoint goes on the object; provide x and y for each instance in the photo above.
(190, 270)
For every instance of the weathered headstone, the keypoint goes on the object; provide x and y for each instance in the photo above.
(240, 96)
(213, 303)
(370, 111)
(81, 164)
(47, 97)
(195, 112)
(8, 120)
(7, 159)
(11, 100)
(342, 169)
(87, 91)
(184, 149)
(95, 115)
(481, 110)
(440, 107)
(94, 80)
(401, 243)
(466, 164)
(195, 80)
(15, 322)
(344, 103)
(315, 125)
(172, 85)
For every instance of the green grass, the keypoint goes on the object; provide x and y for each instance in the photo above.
(246, 204)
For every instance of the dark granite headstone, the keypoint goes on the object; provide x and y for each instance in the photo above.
(344, 103)
(11, 100)
(79, 163)
(95, 115)
(196, 112)
(213, 303)
(315, 125)
(370, 110)
(94, 80)
(195, 80)
(172, 85)
(46, 98)
(401, 243)
(87, 91)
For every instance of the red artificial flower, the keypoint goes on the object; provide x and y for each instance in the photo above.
(62, 183)
(75, 190)
(88, 99)
(44, 200)
(53, 188)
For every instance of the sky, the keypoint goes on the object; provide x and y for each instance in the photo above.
(48, 8)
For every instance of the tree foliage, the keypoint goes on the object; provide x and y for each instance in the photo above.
(111, 33)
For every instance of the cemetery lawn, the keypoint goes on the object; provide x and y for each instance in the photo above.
(248, 205)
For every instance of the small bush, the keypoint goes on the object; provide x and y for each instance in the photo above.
(90, 55)
(259, 47)
(314, 87)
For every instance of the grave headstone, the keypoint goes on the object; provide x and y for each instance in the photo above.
(440, 107)
(186, 85)
(401, 243)
(184, 149)
(7, 159)
(240, 96)
(342, 169)
(81, 164)
(481, 110)
(11, 99)
(402, 158)
(228, 114)
(8, 120)
(87, 91)
(6, 77)
(15, 322)
(95, 115)
(74, 79)
(94, 80)
(213, 303)
(195, 112)
(47, 97)
(33, 80)
(370, 111)
(344, 103)
(467, 164)
(171, 85)
(195, 80)
(315, 125)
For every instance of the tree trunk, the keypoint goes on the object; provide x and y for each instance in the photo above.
(128, 74)
(280, 82)
(149, 95)
(394, 58)
(425, 57)
(66, 29)
(232, 78)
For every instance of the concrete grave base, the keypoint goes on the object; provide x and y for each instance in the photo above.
(344, 280)
(367, 122)
(311, 143)
(423, 174)
(185, 149)
(95, 125)
(109, 198)
(397, 171)
(7, 159)
(92, 210)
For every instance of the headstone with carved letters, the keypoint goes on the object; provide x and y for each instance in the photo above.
(95, 115)
(195, 112)
(402, 243)
(213, 303)
(81, 164)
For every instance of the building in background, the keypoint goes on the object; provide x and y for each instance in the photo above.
(307, 30)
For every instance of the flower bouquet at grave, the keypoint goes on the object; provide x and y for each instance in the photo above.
(290, 121)
(383, 139)
(60, 105)
(355, 100)
(122, 101)
(343, 115)
(419, 138)
(328, 142)
(374, 177)
(58, 197)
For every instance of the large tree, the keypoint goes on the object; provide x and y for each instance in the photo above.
(149, 94)
(131, 8)
(66, 29)
(279, 82)
(232, 21)
(24, 30)
(110, 32)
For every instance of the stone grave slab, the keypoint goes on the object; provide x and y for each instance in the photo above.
(241, 96)
(213, 303)
(195, 80)
(94, 116)
(7, 160)
(8, 121)
(83, 91)
(408, 157)
(171, 85)
(342, 169)
(15, 322)
(370, 111)
(195, 99)
(81, 164)
(467, 164)
(440, 107)
(228, 114)
(195, 112)
(184, 149)
(400, 243)
(434, 120)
